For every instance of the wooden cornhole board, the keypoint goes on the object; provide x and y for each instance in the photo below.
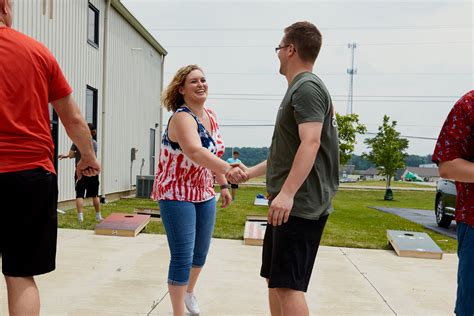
(413, 244)
(120, 224)
(255, 230)
(154, 213)
(256, 218)
(260, 202)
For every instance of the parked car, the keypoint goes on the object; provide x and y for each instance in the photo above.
(445, 202)
(347, 180)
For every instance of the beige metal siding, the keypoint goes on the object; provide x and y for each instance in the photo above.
(133, 84)
(133, 102)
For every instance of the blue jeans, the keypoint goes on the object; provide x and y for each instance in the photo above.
(189, 228)
(465, 295)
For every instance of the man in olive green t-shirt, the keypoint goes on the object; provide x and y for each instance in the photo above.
(302, 173)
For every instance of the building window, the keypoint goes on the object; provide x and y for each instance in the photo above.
(91, 105)
(93, 26)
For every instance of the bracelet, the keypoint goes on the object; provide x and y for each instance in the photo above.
(224, 186)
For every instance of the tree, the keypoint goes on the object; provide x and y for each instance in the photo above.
(388, 149)
(248, 155)
(360, 162)
(348, 126)
(415, 161)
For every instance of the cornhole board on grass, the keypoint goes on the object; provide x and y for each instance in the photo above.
(260, 202)
(153, 212)
(254, 230)
(413, 244)
(120, 224)
(256, 218)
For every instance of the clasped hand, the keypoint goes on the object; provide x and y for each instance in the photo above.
(238, 174)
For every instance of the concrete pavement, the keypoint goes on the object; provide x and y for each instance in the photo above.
(102, 275)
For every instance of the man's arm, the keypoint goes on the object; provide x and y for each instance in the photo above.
(454, 141)
(78, 131)
(70, 155)
(310, 135)
(257, 170)
(457, 169)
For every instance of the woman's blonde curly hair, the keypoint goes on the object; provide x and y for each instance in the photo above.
(171, 99)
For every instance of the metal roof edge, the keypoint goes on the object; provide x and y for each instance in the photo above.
(128, 16)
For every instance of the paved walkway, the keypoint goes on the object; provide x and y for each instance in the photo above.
(102, 275)
(423, 217)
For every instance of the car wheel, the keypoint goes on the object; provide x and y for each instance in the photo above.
(442, 219)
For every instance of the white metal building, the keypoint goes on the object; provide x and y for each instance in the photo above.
(115, 68)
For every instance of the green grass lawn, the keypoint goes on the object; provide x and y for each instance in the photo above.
(371, 183)
(261, 179)
(352, 224)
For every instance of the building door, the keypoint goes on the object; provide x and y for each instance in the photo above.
(152, 150)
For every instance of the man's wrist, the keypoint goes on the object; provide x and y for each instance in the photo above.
(250, 172)
(88, 156)
(285, 192)
(224, 186)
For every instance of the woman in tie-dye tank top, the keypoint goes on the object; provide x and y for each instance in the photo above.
(184, 182)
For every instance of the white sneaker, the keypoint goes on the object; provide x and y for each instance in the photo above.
(191, 303)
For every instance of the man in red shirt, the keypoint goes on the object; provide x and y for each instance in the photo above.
(454, 154)
(30, 79)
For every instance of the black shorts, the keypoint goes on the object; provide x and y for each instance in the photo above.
(234, 186)
(87, 187)
(289, 252)
(28, 222)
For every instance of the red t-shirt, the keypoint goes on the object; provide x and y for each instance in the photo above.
(30, 78)
(456, 140)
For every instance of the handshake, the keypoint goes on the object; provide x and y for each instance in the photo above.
(238, 173)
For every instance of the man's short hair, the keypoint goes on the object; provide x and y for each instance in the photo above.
(91, 126)
(235, 153)
(306, 38)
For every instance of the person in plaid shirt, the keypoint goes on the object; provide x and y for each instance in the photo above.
(454, 154)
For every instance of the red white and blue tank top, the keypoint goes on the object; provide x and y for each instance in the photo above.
(178, 177)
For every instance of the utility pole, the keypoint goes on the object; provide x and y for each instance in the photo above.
(351, 72)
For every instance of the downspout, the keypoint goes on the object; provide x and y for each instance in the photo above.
(161, 108)
(104, 100)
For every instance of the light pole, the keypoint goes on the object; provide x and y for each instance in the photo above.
(351, 72)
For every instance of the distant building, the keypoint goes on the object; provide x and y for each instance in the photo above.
(371, 174)
(428, 165)
(398, 174)
(345, 171)
(428, 174)
(115, 67)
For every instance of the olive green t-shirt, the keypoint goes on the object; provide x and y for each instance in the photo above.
(306, 100)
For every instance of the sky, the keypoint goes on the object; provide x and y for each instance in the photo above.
(414, 59)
